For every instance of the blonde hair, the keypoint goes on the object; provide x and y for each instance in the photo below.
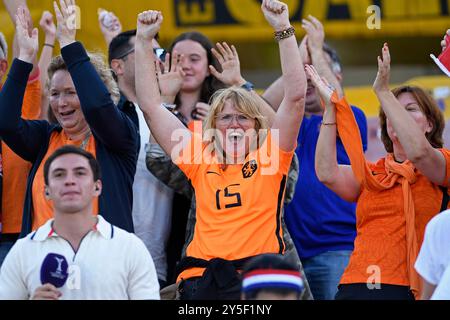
(98, 61)
(245, 103)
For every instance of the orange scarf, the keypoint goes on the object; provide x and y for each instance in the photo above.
(401, 173)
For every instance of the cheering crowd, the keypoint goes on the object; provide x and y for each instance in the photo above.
(165, 175)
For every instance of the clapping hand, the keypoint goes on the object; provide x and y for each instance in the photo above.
(315, 33)
(325, 89)
(229, 61)
(276, 13)
(381, 83)
(66, 28)
(28, 42)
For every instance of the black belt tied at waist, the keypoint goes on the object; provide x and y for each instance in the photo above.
(9, 237)
(220, 279)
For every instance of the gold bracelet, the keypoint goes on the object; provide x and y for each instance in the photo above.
(286, 33)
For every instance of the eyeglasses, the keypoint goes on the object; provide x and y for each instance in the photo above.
(227, 118)
(160, 53)
(126, 53)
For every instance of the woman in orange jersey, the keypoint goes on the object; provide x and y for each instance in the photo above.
(238, 168)
(396, 196)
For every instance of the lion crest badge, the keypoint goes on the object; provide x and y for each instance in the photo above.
(249, 168)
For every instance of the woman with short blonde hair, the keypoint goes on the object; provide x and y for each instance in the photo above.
(239, 200)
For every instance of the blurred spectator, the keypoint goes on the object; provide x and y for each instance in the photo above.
(271, 277)
(433, 262)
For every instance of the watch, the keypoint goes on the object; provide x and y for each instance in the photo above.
(248, 86)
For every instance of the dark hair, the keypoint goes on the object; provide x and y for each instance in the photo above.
(69, 149)
(269, 261)
(335, 60)
(120, 44)
(211, 84)
(429, 108)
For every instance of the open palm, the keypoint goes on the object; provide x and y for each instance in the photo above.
(28, 44)
(170, 76)
(66, 28)
(381, 82)
(229, 61)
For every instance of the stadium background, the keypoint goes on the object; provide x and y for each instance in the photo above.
(413, 29)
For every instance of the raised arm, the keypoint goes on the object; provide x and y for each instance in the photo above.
(290, 114)
(339, 178)
(315, 40)
(12, 6)
(419, 151)
(49, 28)
(274, 93)
(162, 122)
(111, 126)
(23, 137)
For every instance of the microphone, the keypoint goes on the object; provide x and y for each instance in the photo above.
(54, 270)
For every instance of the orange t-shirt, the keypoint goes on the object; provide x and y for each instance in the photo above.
(380, 253)
(43, 208)
(383, 221)
(238, 210)
(15, 169)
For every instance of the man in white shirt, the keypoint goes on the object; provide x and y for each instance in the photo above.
(433, 262)
(104, 262)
